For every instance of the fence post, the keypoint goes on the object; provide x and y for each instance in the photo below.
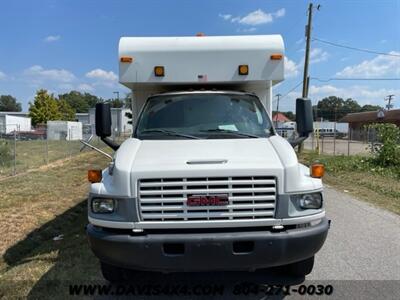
(334, 138)
(15, 152)
(46, 148)
(322, 144)
(348, 141)
(69, 142)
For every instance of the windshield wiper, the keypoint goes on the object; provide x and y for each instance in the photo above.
(170, 132)
(231, 132)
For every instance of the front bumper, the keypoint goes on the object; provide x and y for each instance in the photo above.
(249, 250)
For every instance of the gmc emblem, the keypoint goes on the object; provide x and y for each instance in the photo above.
(210, 200)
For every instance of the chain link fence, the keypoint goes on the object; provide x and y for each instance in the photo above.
(21, 151)
(347, 141)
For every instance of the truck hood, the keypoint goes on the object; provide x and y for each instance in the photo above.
(199, 154)
(141, 159)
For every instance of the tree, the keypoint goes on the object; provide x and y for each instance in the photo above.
(369, 107)
(328, 108)
(44, 108)
(67, 113)
(334, 108)
(9, 103)
(80, 102)
(351, 106)
(290, 115)
(116, 103)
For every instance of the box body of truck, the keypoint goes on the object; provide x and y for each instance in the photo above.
(205, 183)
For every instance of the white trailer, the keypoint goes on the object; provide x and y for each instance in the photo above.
(64, 130)
(205, 183)
(9, 123)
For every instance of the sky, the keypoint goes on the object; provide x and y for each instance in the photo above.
(64, 45)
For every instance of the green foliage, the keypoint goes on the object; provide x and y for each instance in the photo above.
(355, 163)
(116, 103)
(44, 108)
(369, 107)
(9, 103)
(80, 102)
(6, 156)
(334, 108)
(66, 111)
(387, 153)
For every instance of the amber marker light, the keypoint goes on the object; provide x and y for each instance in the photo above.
(276, 57)
(243, 70)
(317, 170)
(126, 59)
(159, 71)
(94, 176)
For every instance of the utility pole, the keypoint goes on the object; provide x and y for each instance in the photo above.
(307, 58)
(389, 99)
(307, 54)
(277, 109)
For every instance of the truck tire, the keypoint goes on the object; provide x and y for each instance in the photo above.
(300, 268)
(113, 274)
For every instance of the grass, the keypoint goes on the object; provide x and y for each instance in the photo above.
(35, 208)
(360, 176)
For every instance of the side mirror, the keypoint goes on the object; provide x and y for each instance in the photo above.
(103, 120)
(304, 117)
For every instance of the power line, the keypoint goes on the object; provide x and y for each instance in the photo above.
(353, 79)
(355, 48)
(291, 90)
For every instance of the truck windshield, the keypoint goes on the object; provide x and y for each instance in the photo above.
(209, 116)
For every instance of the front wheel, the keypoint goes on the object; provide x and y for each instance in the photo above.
(300, 268)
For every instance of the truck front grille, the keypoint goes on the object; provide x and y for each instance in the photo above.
(165, 199)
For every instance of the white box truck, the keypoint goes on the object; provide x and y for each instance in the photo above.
(204, 183)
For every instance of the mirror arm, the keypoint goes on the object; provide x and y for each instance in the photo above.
(85, 143)
(110, 143)
(297, 141)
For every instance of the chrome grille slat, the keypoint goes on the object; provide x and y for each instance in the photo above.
(211, 182)
(208, 190)
(227, 207)
(164, 199)
(209, 214)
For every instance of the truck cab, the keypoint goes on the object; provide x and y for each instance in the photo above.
(204, 183)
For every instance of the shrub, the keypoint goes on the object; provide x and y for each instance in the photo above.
(387, 152)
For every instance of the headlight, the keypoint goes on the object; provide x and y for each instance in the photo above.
(103, 205)
(310, 201)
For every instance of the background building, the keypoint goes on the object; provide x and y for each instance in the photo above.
(10, 122)
(358, 122)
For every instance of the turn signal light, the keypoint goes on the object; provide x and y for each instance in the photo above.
(276, 56)
(159, 71)
(243, 70)
(317, 170)
(94, 176)
(126, 59)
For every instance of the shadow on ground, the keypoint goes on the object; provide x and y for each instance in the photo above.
(70, 261)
